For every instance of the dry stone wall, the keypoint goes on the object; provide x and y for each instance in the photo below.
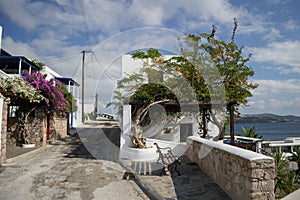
(242, 174)
(3, 132)
(37, 129)
(59, 128)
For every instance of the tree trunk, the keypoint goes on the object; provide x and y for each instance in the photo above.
(220, 126)
(231, 114)
(137, 138)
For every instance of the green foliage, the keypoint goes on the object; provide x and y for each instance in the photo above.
(40, 64)
(132, 81)
(50, 89)
(149, 93)
(208, 65)
(251, 132)
(296, 158)
(71, 105)
(126, 87)
(284, 179)
(151, 53)
(227, 57)
(117, 103)
(17, 88)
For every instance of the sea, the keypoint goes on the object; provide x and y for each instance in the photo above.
(271, 131)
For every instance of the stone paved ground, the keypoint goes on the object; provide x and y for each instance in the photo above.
(191, 185)
(68, 170)
(64, 170)
(13, 151)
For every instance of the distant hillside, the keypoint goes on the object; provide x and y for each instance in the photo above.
(266, 118)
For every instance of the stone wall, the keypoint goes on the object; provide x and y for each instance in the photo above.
(59, 128)
(3, 132)
(242, 174)
(37, 128)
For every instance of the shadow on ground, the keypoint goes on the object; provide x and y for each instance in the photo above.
(13, 151)
(192, 184)
(195, 184)
(96, 143)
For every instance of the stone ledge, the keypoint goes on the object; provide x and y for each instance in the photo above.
(242, 174)
(249, 155)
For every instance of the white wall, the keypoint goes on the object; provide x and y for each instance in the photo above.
(156, 129)
(1, 110)
(50, 73)
(0, 37)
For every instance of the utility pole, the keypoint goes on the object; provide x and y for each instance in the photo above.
(82, 85)
(96, 106)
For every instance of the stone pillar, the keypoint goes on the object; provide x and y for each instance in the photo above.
(60, 126)
(3, 131)
(41, 127)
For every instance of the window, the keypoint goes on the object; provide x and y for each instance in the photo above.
(13, 111)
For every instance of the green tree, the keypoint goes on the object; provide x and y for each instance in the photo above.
(117, 103)
(200, 56)
(71, 105)
(251, 132)
(125, 89)
(147, 96)
(212, 68)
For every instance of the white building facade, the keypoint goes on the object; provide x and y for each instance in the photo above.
(163, 129)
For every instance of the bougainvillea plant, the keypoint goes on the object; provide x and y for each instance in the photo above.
(17, 87)
(50, 89)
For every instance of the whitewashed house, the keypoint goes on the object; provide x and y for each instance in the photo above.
(163, 129)
(73, 88)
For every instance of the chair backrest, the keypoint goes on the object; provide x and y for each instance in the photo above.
(166, 155)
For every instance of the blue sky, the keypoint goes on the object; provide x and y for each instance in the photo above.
(55, 32)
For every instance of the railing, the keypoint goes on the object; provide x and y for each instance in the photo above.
(253, 144)
(284, 147)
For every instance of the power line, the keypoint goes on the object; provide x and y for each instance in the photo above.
(50, 58)
(76, 72)
(109, 75)
(59, 60)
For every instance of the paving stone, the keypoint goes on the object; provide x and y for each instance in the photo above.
(193, 184)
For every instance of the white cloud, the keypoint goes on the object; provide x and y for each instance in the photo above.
(64, 63)
(60, 24)
(19, 12)
(57, 25)
(278, 1)
(276, 96)
(18, 48)
(113, 16)
(281, 53)
(276, 87)
(280, 107)
(273, 34)
(291, 25)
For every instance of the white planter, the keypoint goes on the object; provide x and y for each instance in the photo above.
(135, 154)
(28, 145)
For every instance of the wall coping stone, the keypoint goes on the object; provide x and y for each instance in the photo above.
(246, 154)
